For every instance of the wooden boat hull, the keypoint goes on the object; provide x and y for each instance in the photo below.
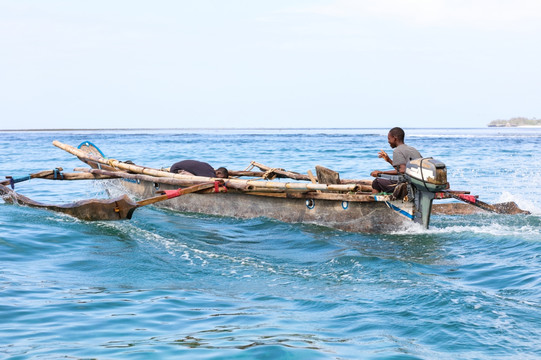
(353, 216)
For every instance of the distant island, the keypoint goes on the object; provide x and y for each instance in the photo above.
(515, 122)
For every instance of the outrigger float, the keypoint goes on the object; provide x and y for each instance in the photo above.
(324, 199)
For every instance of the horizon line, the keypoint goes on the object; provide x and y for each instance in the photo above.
(234, 128)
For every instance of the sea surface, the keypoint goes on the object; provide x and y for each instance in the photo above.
(168, 285)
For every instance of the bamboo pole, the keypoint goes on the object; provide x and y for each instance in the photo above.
(41, 174)
(149, 178)
(358, 182)
(80, 176)
(312, 178)
(291, 186)
(178, 182)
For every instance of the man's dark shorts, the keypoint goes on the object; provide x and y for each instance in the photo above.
(384, 185)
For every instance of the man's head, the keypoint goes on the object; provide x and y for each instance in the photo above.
(222, 173)
(395, 137)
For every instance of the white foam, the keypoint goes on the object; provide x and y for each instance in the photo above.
(494, 229)
(525, 203)
(498, 226)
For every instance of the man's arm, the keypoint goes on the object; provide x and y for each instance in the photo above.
(401, 170)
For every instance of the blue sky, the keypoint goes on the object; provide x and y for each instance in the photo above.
(344, 63)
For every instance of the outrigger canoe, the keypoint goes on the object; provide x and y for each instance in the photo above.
(324, 200)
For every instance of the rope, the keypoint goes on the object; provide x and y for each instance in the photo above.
(217, 184)
(58, 174)
(268, 173)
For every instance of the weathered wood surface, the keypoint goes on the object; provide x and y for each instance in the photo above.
(324, 196)
(274, 199)
(355, 216)
(285, 186)
(40, 174)
(175, 193)
(271, 173)
(455, 209)
(509, 208)
(309, 177)
(119, 208)
(112, 164)
(94, 209)
(81, 176)
(149, 178)
(503, 208)
(358, 197)
(326, 175)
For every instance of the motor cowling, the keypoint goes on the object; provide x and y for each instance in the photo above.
(427, 173)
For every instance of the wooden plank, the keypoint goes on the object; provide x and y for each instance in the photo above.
(282, 172)
(312, 178)
(326, 175)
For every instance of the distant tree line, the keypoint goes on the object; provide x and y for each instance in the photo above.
(514, 122)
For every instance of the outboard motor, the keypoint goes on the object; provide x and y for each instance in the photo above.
(426, 176)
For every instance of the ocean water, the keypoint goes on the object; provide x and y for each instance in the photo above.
(173, 285)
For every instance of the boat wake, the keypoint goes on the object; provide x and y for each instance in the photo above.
(523, 226)
(530, 232)
(524, 203)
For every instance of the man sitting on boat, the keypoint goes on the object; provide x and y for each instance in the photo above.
(402, 153)
(198, 168)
